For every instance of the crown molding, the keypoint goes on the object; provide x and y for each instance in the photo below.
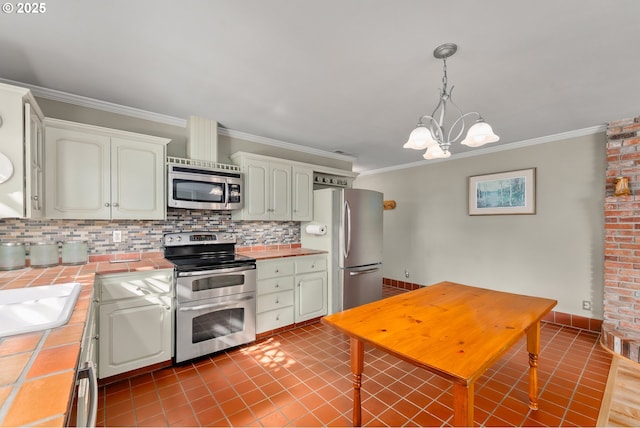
(282, 144)
(494, 149)
(82, 101)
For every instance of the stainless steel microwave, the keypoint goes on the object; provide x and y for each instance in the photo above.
(203, 188)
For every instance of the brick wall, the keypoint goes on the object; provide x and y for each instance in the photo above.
(621, 326)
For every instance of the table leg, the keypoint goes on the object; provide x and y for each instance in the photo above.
(462, 405)
(357, 365)
(533, 347)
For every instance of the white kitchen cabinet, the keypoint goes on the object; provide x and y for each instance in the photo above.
(275, 296)
(290, 290)
(267, 190)
(310, 287)
(135, 321)
(100, 173)
(278, 189)
(21, 154)
(302, 193)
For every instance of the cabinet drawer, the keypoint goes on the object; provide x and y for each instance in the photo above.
(274, 301)
(130, 285)
(311, 264)
(273, 285)
(275, 268)
(271, 320)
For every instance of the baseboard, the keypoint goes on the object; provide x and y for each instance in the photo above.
(555, 317)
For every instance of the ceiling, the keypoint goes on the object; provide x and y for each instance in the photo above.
(339, 75)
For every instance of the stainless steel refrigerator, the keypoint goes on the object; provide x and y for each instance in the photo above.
(347, 223)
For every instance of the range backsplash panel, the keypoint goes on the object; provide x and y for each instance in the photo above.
(146, 235)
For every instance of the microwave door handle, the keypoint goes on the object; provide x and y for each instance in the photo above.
(226, 194)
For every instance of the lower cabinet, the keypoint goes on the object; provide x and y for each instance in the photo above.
(135, 320)
(311, 287)
(290, 290)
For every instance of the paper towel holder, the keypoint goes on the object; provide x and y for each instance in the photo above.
(316, 229)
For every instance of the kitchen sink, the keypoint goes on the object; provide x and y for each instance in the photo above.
(24, 310)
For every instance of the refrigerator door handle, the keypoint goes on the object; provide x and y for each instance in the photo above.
(347, 234)
(362, 272)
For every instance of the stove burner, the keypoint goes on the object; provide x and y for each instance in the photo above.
(203, 251)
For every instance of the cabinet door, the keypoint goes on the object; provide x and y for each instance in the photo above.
(302, 194)
(34, 155)
(311, 296)
(137, 180)
(256, 190)
(77, 172)
(134, 334)
(280, 187)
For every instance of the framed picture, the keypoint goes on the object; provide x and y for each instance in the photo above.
(512, 192)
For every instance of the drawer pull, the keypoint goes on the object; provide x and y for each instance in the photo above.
(277, 270)
(277, 285)
(277, 301)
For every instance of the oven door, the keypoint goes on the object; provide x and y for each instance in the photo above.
(211, 325)
(192, 286)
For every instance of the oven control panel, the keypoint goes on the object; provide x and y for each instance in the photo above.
(197, 238)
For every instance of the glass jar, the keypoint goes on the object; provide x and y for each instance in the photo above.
(43, 254)
(12, 255)
(74, 252)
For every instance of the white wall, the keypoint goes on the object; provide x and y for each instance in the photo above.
(556, 253)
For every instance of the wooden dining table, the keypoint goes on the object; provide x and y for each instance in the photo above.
(455, 331)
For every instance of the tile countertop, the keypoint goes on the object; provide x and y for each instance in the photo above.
(37, 370)
(40, 367)
(274, 252)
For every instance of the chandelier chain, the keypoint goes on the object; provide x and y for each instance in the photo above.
(444, 75)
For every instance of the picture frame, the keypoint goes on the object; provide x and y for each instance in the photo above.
(510, 192)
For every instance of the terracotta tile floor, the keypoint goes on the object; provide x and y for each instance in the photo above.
(302, 378)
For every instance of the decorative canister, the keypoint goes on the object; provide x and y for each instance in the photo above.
(12, 255)
(43, 254)
(74, 252)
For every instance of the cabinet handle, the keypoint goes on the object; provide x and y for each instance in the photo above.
(167, 307)
(277, 285)
(277, 271)
(107, 204)
(115, 204)
(277, 301)
(34, 197)
(313, 266)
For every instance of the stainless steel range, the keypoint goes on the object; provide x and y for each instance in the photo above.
(215, 293)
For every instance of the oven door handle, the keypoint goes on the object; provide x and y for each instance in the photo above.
(217, 271)
(214, 305)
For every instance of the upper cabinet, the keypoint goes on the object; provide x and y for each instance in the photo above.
(21, 154)
(279, 189)
(267, 188)
(274, 189)
(100, 173)
(302, 193)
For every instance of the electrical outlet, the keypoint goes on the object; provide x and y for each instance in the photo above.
(117, 236)
(586, 305)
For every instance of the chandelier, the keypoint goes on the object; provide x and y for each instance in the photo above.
(431, 133)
